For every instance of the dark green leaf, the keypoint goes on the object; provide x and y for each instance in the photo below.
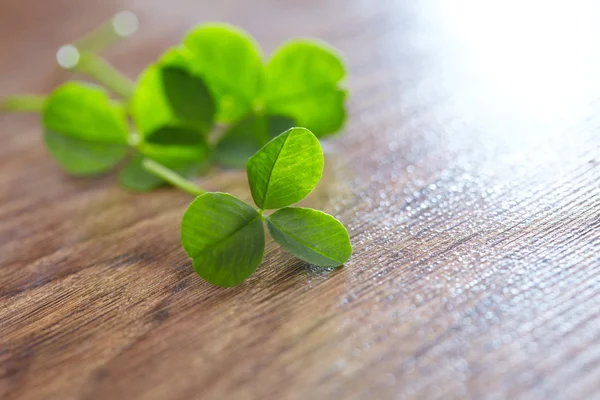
(85, 112)
(175, 146)
(168, 96)
(189, 98)
(224, 237)
(230, 62)
(311, 235)
(246, 137)
(286, 170)
(80, 157)
(302, 80)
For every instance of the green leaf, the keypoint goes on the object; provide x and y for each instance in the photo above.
(311, 235)
(245, 138)
(175, 146)
(286, 170)
(80, 157)
(224, 237)
(167, 96)
(85, 112)
(230, 62)
(135, 177)
(302, 80)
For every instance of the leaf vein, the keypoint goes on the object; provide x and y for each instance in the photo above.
(228, 236)
(273, 168)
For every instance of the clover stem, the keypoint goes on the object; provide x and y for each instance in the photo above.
(121, 25)
(105, 73)
(172, 177)
(23, 103)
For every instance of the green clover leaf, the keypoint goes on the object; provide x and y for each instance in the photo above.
(302, 81)
(311, 235)
(224, 237)
(166, 95)
(85, 112)
(286, 170)
(229, 61)
(84, 131)
(82, 158)
(175, 146)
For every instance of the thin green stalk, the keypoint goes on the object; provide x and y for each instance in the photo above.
(105, 73)
(172, 177)
(23, 103)
(121, 25)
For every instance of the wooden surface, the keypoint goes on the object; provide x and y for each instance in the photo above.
(468, 176)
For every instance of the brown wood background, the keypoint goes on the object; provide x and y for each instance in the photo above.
(468, 176)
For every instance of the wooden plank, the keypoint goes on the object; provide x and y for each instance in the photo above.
(467, 175)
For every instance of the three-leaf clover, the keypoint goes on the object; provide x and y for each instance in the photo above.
(224, 236)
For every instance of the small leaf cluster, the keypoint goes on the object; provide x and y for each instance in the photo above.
(211, 99)
(225, 236)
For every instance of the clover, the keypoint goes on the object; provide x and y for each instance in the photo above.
(225, 236)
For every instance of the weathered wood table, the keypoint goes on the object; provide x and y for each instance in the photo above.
(468, 175)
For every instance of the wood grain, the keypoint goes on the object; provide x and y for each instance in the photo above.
(468, 176)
